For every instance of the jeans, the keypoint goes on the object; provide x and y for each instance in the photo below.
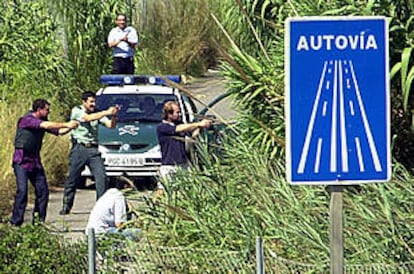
(129, 233)
(81, 156)
(167, 172)
(38, 179)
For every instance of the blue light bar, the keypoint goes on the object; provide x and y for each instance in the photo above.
(121, 79)
(157, 80)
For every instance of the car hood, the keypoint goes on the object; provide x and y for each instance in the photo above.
(132, 136)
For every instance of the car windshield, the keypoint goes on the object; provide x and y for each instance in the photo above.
(136, 107)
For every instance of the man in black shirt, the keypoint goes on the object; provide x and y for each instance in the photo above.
(170, 133)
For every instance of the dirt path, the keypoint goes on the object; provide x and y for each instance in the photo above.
(73, 225)
(206, 89)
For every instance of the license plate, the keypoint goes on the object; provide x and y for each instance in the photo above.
(124, 160)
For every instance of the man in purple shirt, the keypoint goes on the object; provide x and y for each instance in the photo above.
(27, 164)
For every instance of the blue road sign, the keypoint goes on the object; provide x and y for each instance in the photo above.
(337, 100)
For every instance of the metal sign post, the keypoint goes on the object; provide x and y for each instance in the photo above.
(337, 108)
(336, 219)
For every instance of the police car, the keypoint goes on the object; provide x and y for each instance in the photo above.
(131, 149)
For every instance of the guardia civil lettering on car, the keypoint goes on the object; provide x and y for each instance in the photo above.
(132, 149)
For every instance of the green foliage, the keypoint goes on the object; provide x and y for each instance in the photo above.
(113, 248)
(8, 114)
(179, 36)
(31, 58)
(84, 27)
(33, 249)
(405, 69)
(401, 27)
(231, 201)
(258, 88)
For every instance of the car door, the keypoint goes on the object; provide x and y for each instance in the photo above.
(188, 108)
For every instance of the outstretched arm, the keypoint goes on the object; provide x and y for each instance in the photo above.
(192, 126)
(96, 115)
(99, 115)
(73, 125)
(63, 127)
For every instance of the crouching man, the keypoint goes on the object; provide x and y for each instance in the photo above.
(109, 215)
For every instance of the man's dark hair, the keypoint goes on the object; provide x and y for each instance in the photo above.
(39, 104)
(121, 14)
(119, 184)
(88, 94)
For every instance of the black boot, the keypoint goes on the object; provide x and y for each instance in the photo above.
(65, 210)
(67, 205)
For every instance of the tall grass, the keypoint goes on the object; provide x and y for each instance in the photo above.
(31, 62)
(8, 125)
(227, 204)
(83, 30)
(179, 36)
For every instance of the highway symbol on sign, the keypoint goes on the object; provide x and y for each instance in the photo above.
(337, 100)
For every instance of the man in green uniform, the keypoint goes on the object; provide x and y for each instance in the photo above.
(85, 147)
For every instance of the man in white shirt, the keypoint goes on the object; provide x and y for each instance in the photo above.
(122, 40)
(109, 215)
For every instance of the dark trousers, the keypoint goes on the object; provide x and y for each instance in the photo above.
(80, 157)
(123, 65)
(38, 179)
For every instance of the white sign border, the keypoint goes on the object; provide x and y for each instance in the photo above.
(288, 135)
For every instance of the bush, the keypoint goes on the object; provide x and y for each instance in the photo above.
(33, 249)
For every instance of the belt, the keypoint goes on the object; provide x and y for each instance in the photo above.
(88, 145)
(127, 57)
